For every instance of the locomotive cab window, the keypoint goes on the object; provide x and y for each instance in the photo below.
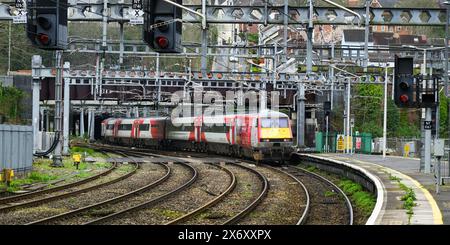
(274, 122)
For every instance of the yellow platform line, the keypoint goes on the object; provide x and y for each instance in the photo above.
(437, 215)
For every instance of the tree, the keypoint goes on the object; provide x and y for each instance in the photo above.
(11, 104)
(443, 115)
(393, 118)
(367, 108)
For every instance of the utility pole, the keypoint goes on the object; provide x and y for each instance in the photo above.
(9, 49)
(300, 115)
(309, 43)
(204, 40)
(385, 111)
(66, 109)
(36, 62)
(57, 160)
(427, 143)
(366, 35)
(348, 113)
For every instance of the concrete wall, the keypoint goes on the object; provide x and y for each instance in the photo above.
(16, 148)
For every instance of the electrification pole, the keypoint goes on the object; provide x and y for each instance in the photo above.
(57, 160)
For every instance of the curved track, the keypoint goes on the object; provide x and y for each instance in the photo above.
(15, 198)
(194, 176)
(322, 209)
(65, 192)
(245, 211)
(62, 218)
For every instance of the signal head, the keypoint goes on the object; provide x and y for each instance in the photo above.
(404, 98)
(162, 42)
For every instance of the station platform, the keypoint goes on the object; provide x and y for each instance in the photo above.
(431, 209)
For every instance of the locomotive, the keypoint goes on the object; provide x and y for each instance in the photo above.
(261, 136)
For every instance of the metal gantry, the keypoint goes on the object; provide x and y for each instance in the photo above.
(224, 14)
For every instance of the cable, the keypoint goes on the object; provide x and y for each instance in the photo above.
(52, 147)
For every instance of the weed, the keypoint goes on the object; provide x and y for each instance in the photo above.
(363, 200)
(408, 198)
(311, 168)
(329, 193)
(33, 177)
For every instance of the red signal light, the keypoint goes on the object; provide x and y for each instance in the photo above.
(404, 98)
(162, 42)
(43, 39)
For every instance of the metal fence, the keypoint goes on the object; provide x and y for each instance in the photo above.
(398, 146)
(16, 148)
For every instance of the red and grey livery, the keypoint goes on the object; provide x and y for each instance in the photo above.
(261, 136)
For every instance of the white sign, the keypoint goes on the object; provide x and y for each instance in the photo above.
(21, 18)
(136, 20)
(136, 17)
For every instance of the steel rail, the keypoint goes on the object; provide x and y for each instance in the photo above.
(305, 213)
(203, 208)
(68, 194)
(256, 202)
(54, 189)
(152, 201)
(334, 186)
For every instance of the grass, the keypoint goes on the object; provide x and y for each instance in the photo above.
(363, 200)
(43, 171)
(329, 193)
(33, 177)
(88, 151)
(172, 214)
(311, 168)
(408, 198)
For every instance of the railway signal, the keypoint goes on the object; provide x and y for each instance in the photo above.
(162, 30)
(404, 91)
(47, 24)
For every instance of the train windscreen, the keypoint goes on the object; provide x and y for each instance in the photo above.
(274, 123)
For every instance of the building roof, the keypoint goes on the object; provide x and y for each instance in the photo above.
(356, 35)
(383, 38)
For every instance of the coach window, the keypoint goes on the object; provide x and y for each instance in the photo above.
(144, 127)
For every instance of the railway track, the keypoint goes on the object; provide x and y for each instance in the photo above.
(324, 202)
(328, 204)
(18, 197)
(131, 206)
(233, 218)
(193, 217)
(68, 217)
(37, 206)
(64, 193)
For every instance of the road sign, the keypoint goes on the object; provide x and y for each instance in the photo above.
(427, 125)
(20, 4)
(340, 142)
(20, 13)
(136, 17)
(358, 143)
(20, 19)
(136, 4)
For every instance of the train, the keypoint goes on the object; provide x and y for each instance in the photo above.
(261, 136)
